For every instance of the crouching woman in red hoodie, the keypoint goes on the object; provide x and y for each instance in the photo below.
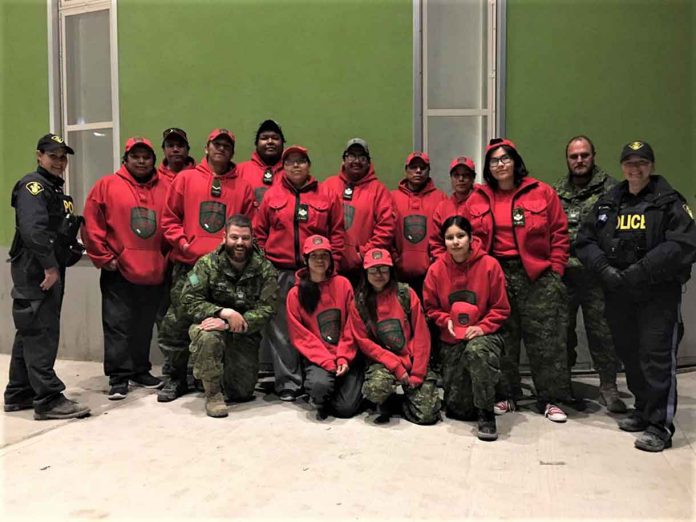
(464, 294)
(390, 329)
(317, 308)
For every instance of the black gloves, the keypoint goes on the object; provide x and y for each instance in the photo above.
(612, 278)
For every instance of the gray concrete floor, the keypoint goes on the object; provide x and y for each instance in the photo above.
(137, 459)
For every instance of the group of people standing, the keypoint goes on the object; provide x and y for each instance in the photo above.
(355, 290)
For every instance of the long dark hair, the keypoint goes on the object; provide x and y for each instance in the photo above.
(457, 220)
(519, 173)
(308, 291)
(366, 297)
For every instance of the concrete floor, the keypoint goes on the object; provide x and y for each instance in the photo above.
(137, 459)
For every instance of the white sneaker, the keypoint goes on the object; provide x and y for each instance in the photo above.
(554, 413)
(502, 407)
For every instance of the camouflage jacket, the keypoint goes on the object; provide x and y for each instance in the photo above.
(578, 202)
(214, 284)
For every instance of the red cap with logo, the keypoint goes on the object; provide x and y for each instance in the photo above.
(465, 161)
(499, 142)
(421, 155)
(137, 140)
(463, 315)
(294, 148)
(377, 257)
(314, 243)
(216, 133)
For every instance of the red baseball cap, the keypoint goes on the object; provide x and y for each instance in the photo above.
(314, 243)
(377, 257)
(499, 142)
(421, 155)
(137, 140)
(294, 148)
(463, 315)
(465, 161)
(216, 133)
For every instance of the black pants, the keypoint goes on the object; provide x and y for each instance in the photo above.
(647, 330)
(35, 347)
(342, 395)
(128, 316)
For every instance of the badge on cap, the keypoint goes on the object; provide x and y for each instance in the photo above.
(635, 145)
(377, 255)
(463, 319)
(317, 241)
(57, 139)
(268, 177)
(34, 188)
(348, 193)
(517, 217)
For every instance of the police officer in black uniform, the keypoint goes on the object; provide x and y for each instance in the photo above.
(641, 240)
(44, 244)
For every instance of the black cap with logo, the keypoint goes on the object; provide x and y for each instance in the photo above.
(51, 142)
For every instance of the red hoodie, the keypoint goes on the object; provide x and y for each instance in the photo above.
(369, 216)
(414, 225)
(122, 222)
(453, 206)
(281, 232)
(479, 280)
(252, 172)
(542, 233)
(323, 336)
(410, 347)
(168, 175)
(193, 219)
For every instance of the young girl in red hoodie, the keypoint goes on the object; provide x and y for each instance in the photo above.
(317, 309)
(464, 295)
(390, 329)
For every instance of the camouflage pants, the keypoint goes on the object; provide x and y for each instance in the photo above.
(421, 405)
(539, 317)
(173, 332)
(470, 371)
(584, 290)
(232, 358)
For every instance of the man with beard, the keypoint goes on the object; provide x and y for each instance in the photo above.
(261, 171)
(579, 190)
(230, 295)
(176, 154)
(367, 207)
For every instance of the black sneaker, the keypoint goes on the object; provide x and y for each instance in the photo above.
(10, 407)
(634, 422)
(171, 390)
(118, 391)
(62, 408)
(288, 395)
(487, 429)
(653, 441)
(383, 414)
(146, 380)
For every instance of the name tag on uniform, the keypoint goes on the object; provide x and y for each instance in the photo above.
(518, 217)
(302, 213)
(574, 216)
(348, 193)
(216, 188)
(268, 177)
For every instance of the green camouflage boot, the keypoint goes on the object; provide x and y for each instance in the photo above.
(214, 401)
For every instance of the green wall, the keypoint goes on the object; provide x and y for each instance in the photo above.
(326, 70)
(23, 96)
(616, 70)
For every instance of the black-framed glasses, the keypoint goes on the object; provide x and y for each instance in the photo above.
(383, 269)
(362, 158)
(502, 160)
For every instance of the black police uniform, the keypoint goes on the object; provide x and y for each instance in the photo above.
(45, 237)
(651, 238)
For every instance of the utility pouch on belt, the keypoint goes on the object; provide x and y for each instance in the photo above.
(69, 250)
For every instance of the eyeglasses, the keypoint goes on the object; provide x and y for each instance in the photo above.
(502, 160)
(362, 158)
(582, 155)
(384, 269)
(298, 161)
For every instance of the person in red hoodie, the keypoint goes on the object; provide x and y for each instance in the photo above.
(264, 168)
(367, 205)
(176, 148)
(123, 237)
(462, 176)
(521, 222)
(464, 294)
(415, 202)
(292, 210)
(390, 329)
(318, 308)
(198, 204)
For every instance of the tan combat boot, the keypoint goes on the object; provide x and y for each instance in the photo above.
(214, 401)
(609, 397)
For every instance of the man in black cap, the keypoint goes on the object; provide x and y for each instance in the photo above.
(261, 171)
(641, 239)
(176, 154)
(45, 242)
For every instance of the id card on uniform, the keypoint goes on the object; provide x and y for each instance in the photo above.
(518, 217)
(348, 193)
(302, 213)
(268, 177)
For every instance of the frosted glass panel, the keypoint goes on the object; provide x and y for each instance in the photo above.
(88, 67)
(453, 136)
(456, 53)
(93, 159)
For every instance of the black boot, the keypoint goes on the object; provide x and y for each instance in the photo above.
(486, 425)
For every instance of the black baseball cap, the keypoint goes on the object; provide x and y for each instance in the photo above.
(51, 142)
(174, 131)
(638, 148)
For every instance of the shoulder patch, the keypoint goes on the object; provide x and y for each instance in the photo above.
(688, 210)
(193, 279)
(34, 188)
